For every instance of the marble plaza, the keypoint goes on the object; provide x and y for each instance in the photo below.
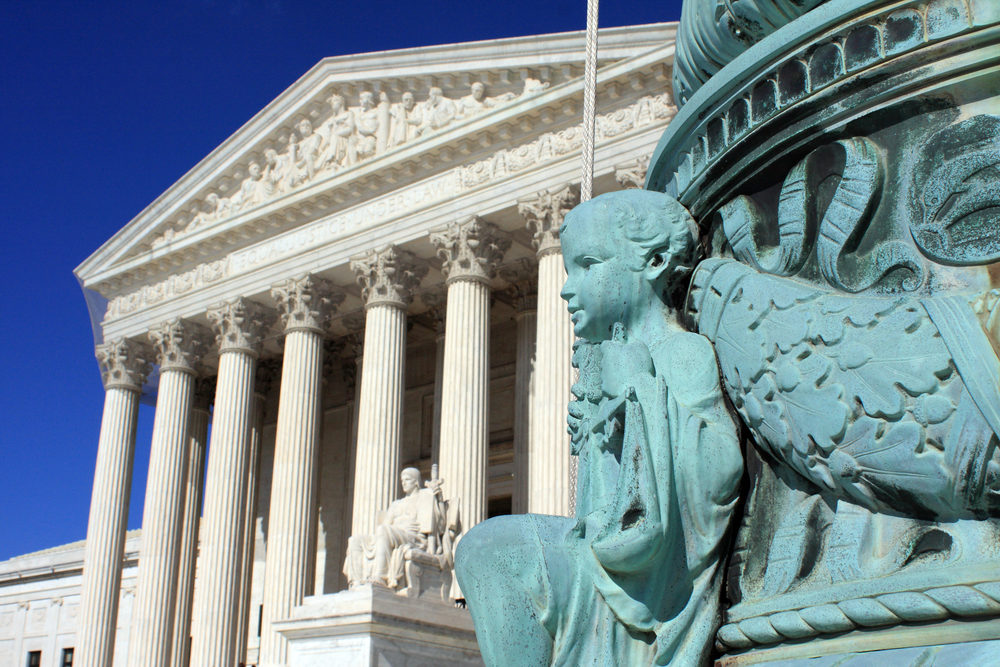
(363, 279)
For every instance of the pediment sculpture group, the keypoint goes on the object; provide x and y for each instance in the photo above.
(347, 136)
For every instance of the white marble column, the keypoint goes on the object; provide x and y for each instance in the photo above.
(550, 487)
(124, 368)
(470, 251)
(523, 296)
(305, 305)
(267, 371)
(387, 279)
(194, 485)
(179, 346)
(239, 326)
(437, 300)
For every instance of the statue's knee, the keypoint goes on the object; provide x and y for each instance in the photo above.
(488, 544)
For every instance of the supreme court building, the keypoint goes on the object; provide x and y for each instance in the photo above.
(364, 277)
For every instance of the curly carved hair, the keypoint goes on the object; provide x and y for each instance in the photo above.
(653, 223)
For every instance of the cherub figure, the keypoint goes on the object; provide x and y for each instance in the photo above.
(635, 577)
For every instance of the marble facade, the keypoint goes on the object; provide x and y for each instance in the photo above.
(364, 277)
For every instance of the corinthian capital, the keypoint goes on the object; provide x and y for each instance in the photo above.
(544, 214)
(388, 276)
(124, 363)
(470, 250)
(179, 345)
(306, 303)
(239, 325)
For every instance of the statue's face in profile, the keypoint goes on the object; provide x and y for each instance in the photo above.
(600, 287)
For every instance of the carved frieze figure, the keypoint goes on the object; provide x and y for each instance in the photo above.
(421, 525)
(305, 154)
(339, 130)
(476, 102)
(406, 117)
(368, 126)
(635, 578)
(274, 171)
(438, 110)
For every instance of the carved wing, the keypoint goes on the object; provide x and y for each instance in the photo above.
(860, 395)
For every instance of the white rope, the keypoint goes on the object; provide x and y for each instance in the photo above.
(589, 103)
(587, 177)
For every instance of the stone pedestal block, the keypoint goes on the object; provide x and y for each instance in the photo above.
(371, 625)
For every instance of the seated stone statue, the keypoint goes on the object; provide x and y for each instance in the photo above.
(635, 577)
(417, 526)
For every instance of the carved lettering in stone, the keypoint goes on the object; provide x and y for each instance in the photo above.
(239, 325)
(306, 303)
(646, 111)
(124, 363)
(179, 345)
(388, 276)
(544, 214)
(470, 250)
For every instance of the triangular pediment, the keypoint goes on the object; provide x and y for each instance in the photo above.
(356, 126)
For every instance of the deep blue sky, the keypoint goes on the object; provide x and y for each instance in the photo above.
(102, 107)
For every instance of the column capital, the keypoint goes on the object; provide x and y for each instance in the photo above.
(124, 363)
(388, 276)
(632, 174)
(522, 289)
(240, 325)
(306, 303)
(470, 249)
(179, 344)
(544, 214)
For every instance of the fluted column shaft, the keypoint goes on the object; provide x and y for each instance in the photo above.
(156, 585)
(124, 368)
(438, 386)
(464, 448)
(180, 654)
(250, 512)
(470, 251)
(102, 566)
(387, 278)
(524, 390)
(549, 445)
(217, 592)
(380, 414)
(178, 348)
(550, 484)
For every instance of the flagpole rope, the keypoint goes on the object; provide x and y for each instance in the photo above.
(589, 103)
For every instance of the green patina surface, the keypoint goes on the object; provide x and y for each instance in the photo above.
(818, 252)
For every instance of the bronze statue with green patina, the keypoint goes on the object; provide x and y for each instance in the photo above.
(635, 577)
